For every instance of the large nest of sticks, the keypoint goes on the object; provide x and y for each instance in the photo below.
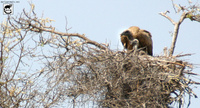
(144, 81)
(121, 79)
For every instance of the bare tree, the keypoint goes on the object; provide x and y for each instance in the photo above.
(191, 12)
(43, 67)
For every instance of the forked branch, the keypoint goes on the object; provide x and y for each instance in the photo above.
(191, 12)
(176, 29)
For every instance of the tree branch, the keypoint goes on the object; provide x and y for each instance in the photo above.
(176, 29)
(175, 34)
(41, 27)
(165, 15)
(72, 34)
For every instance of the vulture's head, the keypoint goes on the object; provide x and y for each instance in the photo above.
(127, 37)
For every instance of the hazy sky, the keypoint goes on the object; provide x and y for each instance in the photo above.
(104, 20)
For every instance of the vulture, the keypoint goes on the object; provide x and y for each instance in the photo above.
(136, 37)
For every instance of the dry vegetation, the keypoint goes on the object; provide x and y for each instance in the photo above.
(76, 70)
(118, 79)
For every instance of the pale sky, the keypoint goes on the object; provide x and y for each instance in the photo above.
(104, 20)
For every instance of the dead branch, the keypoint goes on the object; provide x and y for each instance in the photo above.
(166, 16)
(176, 30)
(190, 12)
(42, 27)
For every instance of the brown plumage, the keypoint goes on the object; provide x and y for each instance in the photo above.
(135, 33)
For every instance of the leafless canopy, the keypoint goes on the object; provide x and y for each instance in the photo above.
(71, 69)
(191, 12)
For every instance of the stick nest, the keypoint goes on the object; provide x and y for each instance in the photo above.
(120, 79)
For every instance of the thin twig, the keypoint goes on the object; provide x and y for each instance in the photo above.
(173, 5)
